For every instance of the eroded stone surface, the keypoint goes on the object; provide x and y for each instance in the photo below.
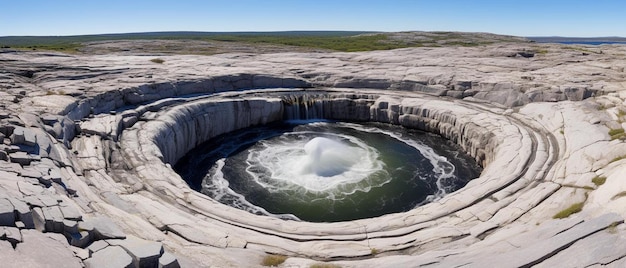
(539, 158)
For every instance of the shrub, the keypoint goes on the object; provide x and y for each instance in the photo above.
(575, 208)
(617, 133)
(598, 180)
(273, 260)
(157, 60)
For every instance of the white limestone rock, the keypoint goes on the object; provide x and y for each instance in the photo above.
(110, 257)
(39, 250)
(144, 253)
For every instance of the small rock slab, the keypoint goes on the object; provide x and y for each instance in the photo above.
(105, 228)
(168, 260)
(7, 216)
(23, 158)
(145, 253)
(39, 250)
(110, 257)
(23, 213)
(23, 136)
(538, 252)
(53, 219)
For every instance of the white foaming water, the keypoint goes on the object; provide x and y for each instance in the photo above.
(319, 164)
(330, 166)
(441, 166)
(327, 158)
(219, 188)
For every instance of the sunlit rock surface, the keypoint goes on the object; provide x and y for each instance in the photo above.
(88, 143)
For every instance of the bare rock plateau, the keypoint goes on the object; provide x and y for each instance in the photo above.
(87, 145)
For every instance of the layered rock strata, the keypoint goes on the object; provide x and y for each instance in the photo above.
(93, 163)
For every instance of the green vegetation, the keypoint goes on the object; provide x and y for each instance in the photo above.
(273, 260)
(331, 40)
(586, 187)
(60, 92)
(598, 180)
(617, 133)
(157, 60)
(581, 49)
(613, 227)
(374, 251)
(339, 43)
(617, 158)
(324, 265)
(575, 208)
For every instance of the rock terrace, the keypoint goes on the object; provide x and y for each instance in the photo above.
(88, 143)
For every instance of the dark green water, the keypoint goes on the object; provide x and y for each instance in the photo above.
(380, 169)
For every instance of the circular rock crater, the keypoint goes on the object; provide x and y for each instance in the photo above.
(320, 170)
(147, 140)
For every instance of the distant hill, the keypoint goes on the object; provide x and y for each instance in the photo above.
(347, 41)
(21, 41)
(577, 40)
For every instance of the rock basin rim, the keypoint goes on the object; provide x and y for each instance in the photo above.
(538, 157)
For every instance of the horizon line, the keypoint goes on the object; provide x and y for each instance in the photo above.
(313, 31)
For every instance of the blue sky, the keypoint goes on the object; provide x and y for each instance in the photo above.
(514, 17)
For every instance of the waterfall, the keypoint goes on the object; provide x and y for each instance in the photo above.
(303, 107)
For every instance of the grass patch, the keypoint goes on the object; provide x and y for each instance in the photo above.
(273, 260)
(324, 265)
(612, 229)
(617, 133)
(347, 41)
(158, 60)
(586, 187)
(581, 49)
(573, 209)
(338, 43)
(52, 92)
(598, 180)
